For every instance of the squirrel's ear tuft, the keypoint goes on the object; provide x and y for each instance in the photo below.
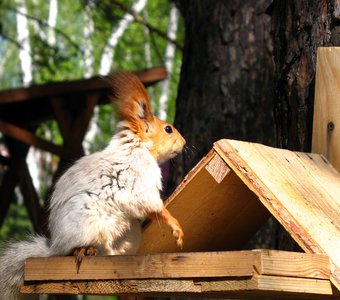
(143, 110)
(132, 99)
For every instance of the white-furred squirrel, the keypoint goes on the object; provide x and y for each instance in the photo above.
(97, 204)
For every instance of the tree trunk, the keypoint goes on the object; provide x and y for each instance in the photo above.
(228, 79)
(299, 27)
(225, 89)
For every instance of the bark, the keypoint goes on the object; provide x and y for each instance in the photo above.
(227, 78)
(299, 28)
(225, 88)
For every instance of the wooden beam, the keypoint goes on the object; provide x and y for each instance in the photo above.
(83, 118)
(31, 198)
(29, 138)
(326, 123)
(179, 265)
(238, 274)
(62, 115)
(293, 264)
(264, 287)
(44, 91)
(74, 124)
(18, 152)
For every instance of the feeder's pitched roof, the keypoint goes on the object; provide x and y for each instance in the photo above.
(227, 197)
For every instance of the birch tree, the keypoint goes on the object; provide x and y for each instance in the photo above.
(23, 41)
(88, 46)
(52, 21)
(108, 53)
(169, 59)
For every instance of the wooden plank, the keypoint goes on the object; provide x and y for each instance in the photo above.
(44, 91)
(183, 265)
(294, 285)
(275, 286)
(217, 168)
(262, 287)
(217, 212)
(114, 287)
(62, 115)
(301, 190)
(293, 264)
(227, 274)
(326, 124)
(29, 138)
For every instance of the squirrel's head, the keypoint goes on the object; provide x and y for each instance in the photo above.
(135, 114)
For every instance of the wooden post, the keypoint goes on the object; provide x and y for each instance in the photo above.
(326, 126)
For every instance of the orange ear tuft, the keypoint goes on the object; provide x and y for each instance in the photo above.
(132, 99)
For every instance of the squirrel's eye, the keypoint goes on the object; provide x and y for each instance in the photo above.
(168, 129)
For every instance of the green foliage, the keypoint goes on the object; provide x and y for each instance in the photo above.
(16, 225)
(106, 121)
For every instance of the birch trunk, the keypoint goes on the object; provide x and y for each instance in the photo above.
(108, 53)
(169, 59)
(52, 21)
(88, 46)
(23, 40)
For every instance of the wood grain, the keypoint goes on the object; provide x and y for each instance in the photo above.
(294, 264)
(238, 274)
(326, 122)
(264, 287)
(301, 190)
(179, 265)
(216, 210)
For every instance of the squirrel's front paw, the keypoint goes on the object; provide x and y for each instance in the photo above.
(172, 222)
(178, 233)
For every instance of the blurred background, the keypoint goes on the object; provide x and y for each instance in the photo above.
(61, 40)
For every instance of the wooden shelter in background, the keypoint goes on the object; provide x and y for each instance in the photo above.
(221, 204)
(22, 110)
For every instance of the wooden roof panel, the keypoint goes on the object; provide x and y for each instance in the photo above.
(216, 210)
(301, 190)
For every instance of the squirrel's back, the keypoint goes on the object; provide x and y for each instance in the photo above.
(97, 199)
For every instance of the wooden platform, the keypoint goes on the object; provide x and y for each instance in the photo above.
(220, 204)
(237, 274)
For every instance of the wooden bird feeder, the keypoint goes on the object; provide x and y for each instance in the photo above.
(221, 204)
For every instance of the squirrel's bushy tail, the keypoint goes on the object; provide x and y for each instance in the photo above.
(12, 259)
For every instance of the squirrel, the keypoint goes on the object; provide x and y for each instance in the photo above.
(97, 204)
